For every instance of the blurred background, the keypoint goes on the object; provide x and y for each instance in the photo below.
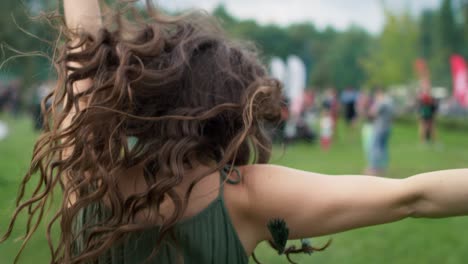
(375, 87)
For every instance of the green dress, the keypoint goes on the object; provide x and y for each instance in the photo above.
(208, 237)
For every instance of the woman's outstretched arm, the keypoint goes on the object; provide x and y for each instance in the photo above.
(82, 16)
(315, 205)
(440, 193)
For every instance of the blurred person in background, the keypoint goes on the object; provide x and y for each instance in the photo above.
(40, 94)
(364, 105)
(427, 109)
(3, 96)
(348, 100)
(3, 100)
(14, 100)
(382, 113)
(305, 131)
(10, 97)
(326, 129)
(3, 130)
(331, 102)
(311, 115)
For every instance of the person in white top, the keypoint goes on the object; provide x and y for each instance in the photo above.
(326, 129)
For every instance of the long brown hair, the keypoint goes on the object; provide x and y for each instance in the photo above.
(178, 86)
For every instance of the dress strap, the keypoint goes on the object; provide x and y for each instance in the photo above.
(227, 170)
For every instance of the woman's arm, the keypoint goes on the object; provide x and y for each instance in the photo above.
(316, 205)
(439, 194)
(82, 15)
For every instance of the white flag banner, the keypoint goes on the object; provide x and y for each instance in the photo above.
(296, 83)
(278, 69)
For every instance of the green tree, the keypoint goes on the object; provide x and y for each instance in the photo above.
(447, 41)
(331, 57)
(392, 58)
(222, 14)
(21, 31)
(346, 55)
(426, 39)
(448, 33)
(463, 9)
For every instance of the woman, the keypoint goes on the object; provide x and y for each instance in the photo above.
(194, 187)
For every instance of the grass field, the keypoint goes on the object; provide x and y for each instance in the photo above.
(407, 242)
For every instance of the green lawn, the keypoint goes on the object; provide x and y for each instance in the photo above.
(407, 242)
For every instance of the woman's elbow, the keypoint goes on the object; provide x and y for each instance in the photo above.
(415, 205)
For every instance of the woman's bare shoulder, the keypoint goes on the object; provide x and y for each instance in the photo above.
(239, 204)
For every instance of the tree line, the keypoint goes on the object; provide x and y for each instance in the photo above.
(356, 58)
(334, 58)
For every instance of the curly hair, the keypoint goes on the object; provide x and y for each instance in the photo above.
(179, 87)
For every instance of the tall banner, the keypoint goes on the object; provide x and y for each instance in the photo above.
(296, 83)
(423, 74)
(460, 79)
(278, 70)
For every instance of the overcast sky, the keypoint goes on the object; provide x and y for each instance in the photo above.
(338, 13)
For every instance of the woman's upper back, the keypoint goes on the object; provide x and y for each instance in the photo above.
(206, 235)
